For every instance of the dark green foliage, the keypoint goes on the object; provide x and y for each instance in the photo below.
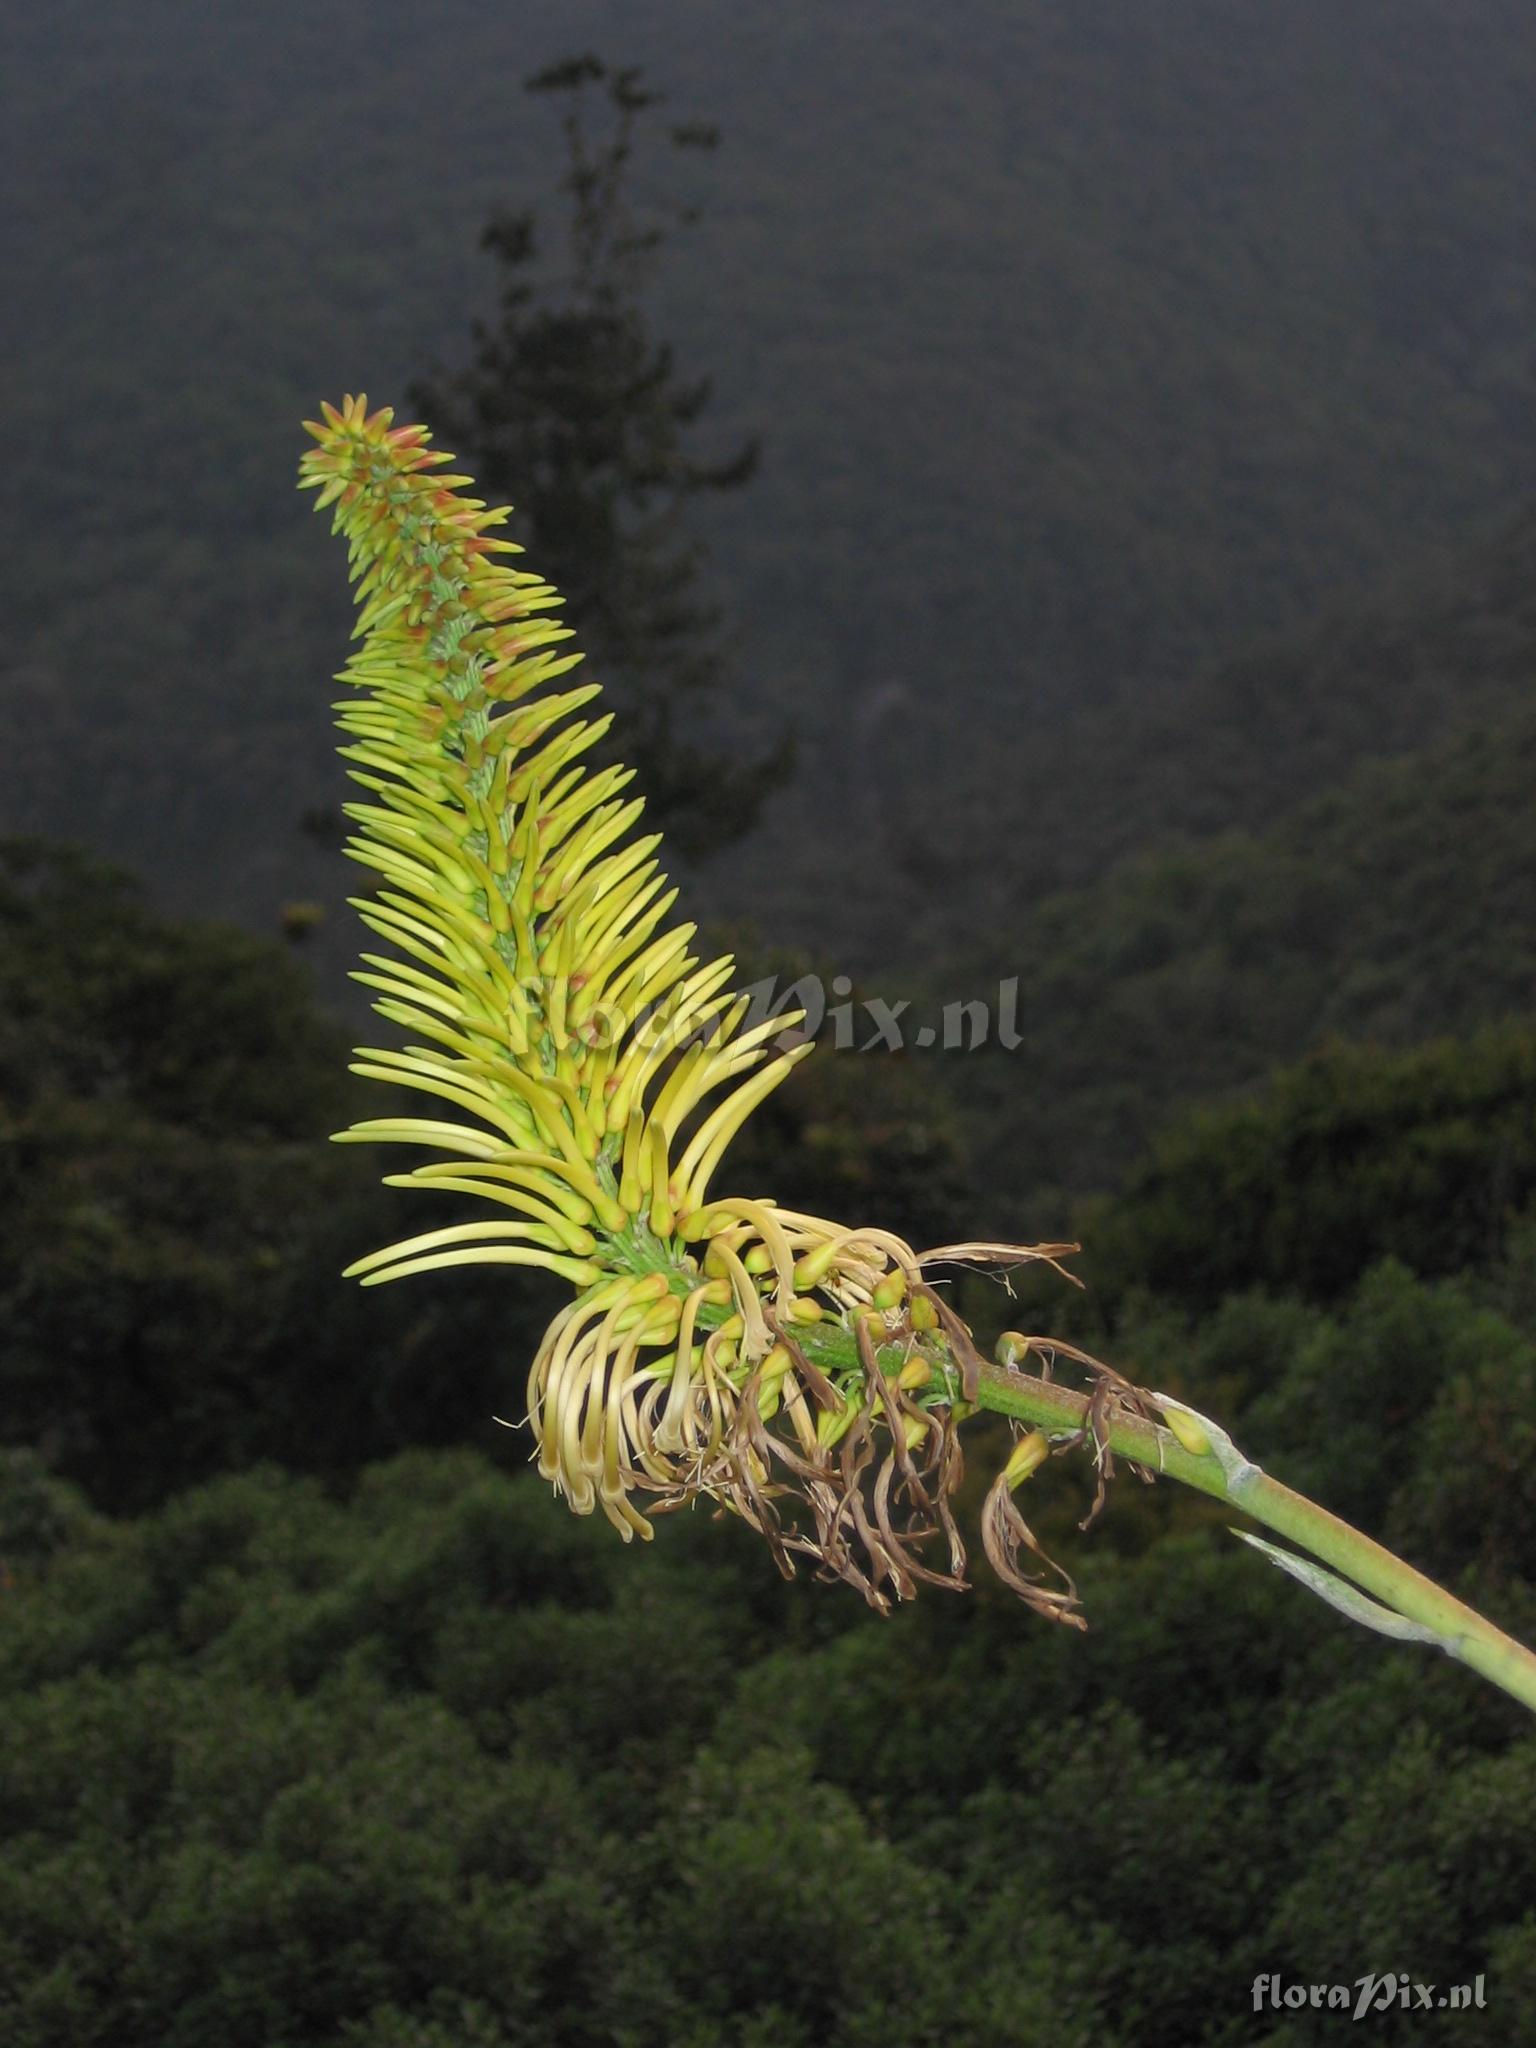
(407, 1757)
(106, 1002)
(1398, 907)
(869, 1138)
(437, 1765)
(1410, 1409)
(1445, 649)
(1432, 1857)
(1476, 1497)
(176, 1218)
(446, 1764)
(1429, 1155)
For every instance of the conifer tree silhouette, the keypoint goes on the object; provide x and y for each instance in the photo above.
(574, 411)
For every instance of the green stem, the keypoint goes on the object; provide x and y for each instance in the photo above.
(1413, 1608)
(1432, 1614)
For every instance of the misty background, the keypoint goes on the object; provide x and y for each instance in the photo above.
(1133, 599)
(1089, 348)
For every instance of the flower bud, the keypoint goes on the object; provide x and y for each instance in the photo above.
(832, 1424)
(775, 1364)
(1188, 1431)
(814, 1267)
(1028, 1455)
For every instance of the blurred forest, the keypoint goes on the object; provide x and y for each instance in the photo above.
(1085, 350)
(1148, 579)
(324, 1722)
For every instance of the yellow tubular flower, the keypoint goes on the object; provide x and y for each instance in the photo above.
(799, 1372)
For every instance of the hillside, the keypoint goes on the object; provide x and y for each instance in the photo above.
(1400, 905)
(1236, 744)
(1086, 348)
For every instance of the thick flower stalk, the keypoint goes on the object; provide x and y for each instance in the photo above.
(586, 1074)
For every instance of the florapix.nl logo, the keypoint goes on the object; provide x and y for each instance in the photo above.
(811, 1007)
(848, 1022)
(1375, 1992)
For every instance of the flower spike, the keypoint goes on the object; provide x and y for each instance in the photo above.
(588, 1074)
